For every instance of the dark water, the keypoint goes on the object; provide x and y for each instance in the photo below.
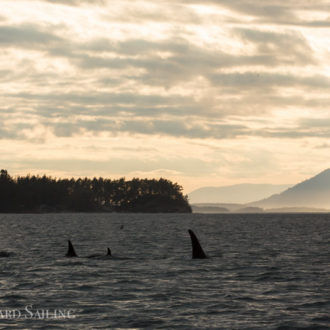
(264, 272)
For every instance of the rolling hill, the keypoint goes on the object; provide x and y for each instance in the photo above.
(240, 193)
(311, 193)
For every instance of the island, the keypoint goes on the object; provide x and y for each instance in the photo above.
(44, 194)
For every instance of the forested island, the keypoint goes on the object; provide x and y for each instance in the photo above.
(40, 194)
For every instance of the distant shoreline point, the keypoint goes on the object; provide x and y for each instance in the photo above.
(36, 194)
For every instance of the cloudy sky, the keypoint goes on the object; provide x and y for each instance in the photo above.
(203, 92)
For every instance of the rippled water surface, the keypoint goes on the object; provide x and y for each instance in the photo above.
(264, 271)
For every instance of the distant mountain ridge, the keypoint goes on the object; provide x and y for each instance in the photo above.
(240, 193)
(312, 193)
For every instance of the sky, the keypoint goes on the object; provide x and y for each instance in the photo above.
(201, 92)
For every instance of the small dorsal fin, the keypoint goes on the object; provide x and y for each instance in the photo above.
(71, 252)
(109, 252)
(197, 251)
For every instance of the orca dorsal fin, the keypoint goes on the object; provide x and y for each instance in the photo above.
(197, 251)
(109, 252)
(71, 252)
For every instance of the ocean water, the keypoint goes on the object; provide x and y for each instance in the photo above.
(265, 271)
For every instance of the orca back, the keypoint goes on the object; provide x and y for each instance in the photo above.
(197, 251)
(109, 252)
(71, 252)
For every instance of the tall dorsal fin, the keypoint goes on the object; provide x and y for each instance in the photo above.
(197, 251)
(109, 252)
(71, 252)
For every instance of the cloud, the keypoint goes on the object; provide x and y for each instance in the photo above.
(184, 57)
(286, 13)
(288, 47)
(323, 146)
(75, 2)
(16, 131)
(173, 128)
(272, 11)
(9, 134)
(257, 80)
(321, 123)
(125, 167)
(26, 36)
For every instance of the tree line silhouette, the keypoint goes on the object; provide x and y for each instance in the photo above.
(31, 194)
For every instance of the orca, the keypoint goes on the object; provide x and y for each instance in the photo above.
(100, 256)
(197, 251)
(71, 252)
(5, 254)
